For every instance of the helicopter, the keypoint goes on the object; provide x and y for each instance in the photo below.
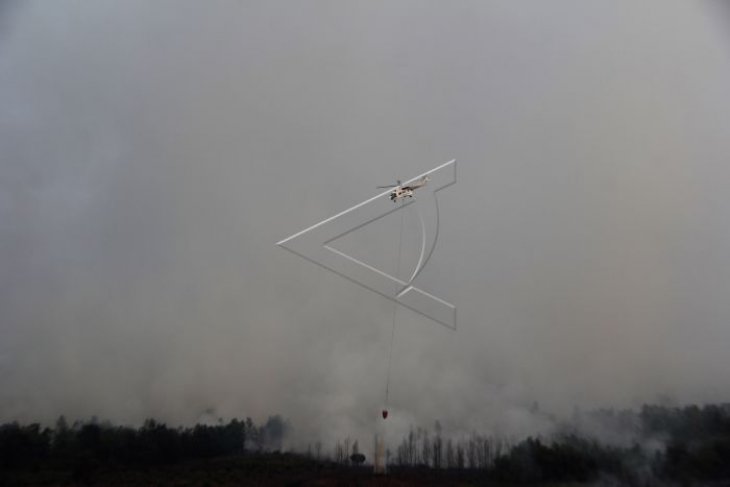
(400, 192)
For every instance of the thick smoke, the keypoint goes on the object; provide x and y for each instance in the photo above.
(152, 153)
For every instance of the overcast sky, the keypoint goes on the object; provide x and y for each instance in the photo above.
(152, 153)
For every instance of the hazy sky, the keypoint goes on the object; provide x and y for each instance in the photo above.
(152, 153)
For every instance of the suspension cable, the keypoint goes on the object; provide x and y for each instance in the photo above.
(395, 311)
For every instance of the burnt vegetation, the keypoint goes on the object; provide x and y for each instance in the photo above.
(661, 446)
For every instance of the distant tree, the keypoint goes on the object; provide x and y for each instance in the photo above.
(437, 450)
(411, 448)
(426, 449)
(450, 455)
(89, 438)
(339, 452)
(471, 452)
(253, 438)
(356, 458)
(346, 452)
(62, 439)
(484, 451)
(460, 456)
(273, 432)
(318, 449)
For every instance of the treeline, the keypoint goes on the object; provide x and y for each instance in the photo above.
(697, 441)
(154, 443)
(661, 445)
(658, 445)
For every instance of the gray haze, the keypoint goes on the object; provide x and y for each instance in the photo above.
(153, 152)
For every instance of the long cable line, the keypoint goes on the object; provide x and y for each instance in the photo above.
(395, 312)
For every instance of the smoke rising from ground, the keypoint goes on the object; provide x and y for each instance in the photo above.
(153, 153)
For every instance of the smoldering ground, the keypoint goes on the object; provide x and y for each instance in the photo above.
(153, 153)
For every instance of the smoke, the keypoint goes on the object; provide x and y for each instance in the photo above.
(153, 153)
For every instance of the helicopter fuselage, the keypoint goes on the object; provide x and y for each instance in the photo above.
(400, 193)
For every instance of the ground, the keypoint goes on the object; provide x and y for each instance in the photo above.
(268, 470)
